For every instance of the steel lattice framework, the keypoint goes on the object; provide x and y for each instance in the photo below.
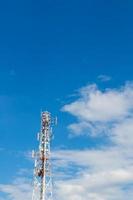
(42, 171)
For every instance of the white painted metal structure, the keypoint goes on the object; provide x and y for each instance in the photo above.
(42, 171)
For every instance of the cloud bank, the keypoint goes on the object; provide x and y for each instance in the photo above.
(19, 189)
(101, 173)
(105, 173)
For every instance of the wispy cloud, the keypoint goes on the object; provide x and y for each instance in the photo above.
(104, 78)
(18, 189)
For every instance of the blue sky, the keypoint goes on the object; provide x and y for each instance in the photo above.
(49, 50)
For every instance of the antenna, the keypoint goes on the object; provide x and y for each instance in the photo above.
(42, 189)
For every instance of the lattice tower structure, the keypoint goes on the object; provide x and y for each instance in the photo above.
(42, 189)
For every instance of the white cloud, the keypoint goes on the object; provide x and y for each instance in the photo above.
(96, 108)
(104, 173)
(122, 133)
(100, 174)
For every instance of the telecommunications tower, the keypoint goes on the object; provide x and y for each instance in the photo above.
(42, 171)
